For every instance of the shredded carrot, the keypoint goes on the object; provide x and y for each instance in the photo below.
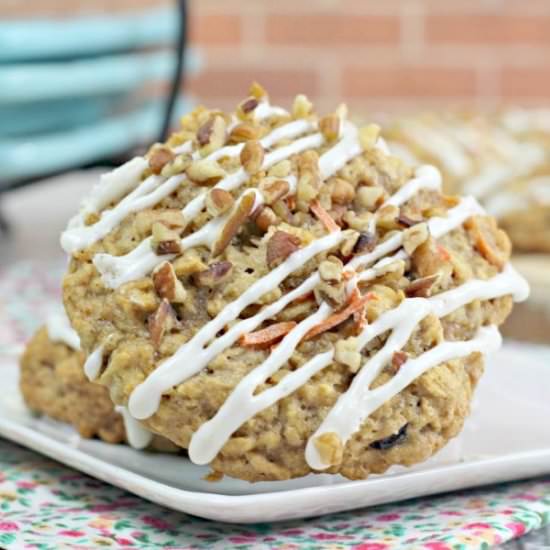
(303, 298)
(349, 274)
(291, 202)
(264, 338)
(360, 320)
(324, 217)
(356, 303)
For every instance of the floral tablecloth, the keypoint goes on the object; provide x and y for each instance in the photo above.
(44, 505)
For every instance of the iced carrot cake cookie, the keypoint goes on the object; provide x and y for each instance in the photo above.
(53, 383)
(274, 292)
(503, 161)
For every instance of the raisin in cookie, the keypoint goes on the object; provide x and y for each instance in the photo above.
(276, 293)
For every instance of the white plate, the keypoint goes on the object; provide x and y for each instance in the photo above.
(507, 437)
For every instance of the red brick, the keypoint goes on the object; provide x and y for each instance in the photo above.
(331, 29)
(525, 83)
(215, 30)
(415, 81)
(234, 82)
(487, 29)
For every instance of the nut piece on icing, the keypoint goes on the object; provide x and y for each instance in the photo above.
(252, 156)
(163, 320)
(218, 201)
(236, 219)
(330, 448)
(279, 247)
(167, 285)
(165, 240)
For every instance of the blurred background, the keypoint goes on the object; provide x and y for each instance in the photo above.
(86, 81)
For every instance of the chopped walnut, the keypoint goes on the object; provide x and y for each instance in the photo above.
(359, 222)
(257, 90)
(369, 196)
(330, 448)
(252, 156)
(273, 189)
(330, 127)
(301, 107)
(414, 236)
(346, 352)
(244, 132)
(211, 135)
(236, 219)
(348, 244)
(343, 191)
(165, 240)
(422, 287)
(280, 246)
(217, 273)
(368, 136)
(332, 293)
(167, 285)
(159, 156)
(429, 258)
(397, 267)
(206, 172)
(218, 201)
(162, 321)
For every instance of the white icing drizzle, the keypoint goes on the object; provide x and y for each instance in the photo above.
(60, 330)
(137, 436)
(536, 192)
(93, 363)
(524, 120)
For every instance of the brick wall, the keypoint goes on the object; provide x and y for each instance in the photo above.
(376, 54)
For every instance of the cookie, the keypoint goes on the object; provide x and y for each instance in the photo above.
(276, 293)
(502, 160)
(53, 383)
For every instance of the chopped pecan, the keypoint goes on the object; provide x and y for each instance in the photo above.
(365, 243)
(369, 196)
(427, 259)
(167, 285)
(244, 132)
(236, 219)
(211, 135)
(343, 191)
(309, 179)
(332, 293)
(218, 201)
(368, 136)
(330, 127)
(414, 236)
(301, 106)
(252, 156)
(247, 107)
(265, 217)
(177, 166)
(165, 240)
(279, 247)
(206, 172)
(490, 241)
(217, 273)
(159, 156)
(273, 189)
(422, 288)
(386, 217)
(171, 218)
(162, 321)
